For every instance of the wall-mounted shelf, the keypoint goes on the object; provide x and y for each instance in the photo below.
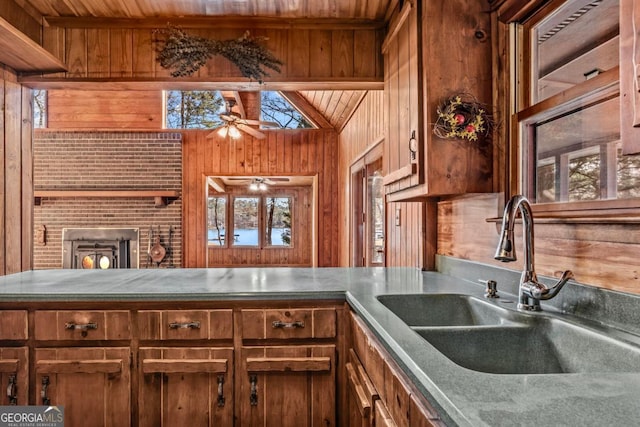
(23, 54)
(161, 197)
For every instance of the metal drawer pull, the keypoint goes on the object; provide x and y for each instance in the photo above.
(185, 325)
(287, 325)
(253, 395)
(43, 393)
(220, 391)
(80, 326)
(12, 390)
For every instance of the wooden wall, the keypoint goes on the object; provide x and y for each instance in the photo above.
(16, 166)
(283, 152)
(599, 254)
(363, 131)
(127, 51)
(75, 109)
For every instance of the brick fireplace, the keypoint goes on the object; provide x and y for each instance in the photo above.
(97, 180)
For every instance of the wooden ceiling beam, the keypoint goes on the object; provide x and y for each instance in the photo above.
(216, 22)
(306, 109)
(168, 83)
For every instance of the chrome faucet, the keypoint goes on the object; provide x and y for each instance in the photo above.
(530, 291)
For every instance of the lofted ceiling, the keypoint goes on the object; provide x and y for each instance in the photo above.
(335, 106)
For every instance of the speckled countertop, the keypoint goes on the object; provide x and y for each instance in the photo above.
(463, 397)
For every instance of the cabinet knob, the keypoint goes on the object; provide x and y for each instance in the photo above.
(287, 325)
(253, 395)
(184, 325)
(80, 326)
(220, 391)
(43, 393)
(12, 390)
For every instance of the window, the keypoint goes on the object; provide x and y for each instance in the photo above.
(216, 220)
(570, 108)
(254, 221)
(39, 108)
(193, 109)
(201, 110)
(274, 108)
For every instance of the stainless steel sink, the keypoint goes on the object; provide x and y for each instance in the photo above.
(445, 310)
(485, 337)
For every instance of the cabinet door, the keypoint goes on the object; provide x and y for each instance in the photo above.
(92, 384)
(361, 394)
(186, 386)
(287, 386)
(403, 91)
(14, 375)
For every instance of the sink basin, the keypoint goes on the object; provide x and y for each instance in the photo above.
(483, 336)
(544, 346)
(445, 310)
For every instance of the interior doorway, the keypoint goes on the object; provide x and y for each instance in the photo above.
(368, 213)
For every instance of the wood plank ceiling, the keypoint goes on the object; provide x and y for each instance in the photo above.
(335, 106)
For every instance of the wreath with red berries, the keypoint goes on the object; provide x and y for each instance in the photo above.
(462, 117)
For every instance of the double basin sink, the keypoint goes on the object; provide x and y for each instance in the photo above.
(487, 337)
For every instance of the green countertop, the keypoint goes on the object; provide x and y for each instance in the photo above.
(462, 396)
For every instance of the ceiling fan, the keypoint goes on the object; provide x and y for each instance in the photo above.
(234, 123)
(258, 183)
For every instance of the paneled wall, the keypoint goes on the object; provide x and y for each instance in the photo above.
(76, 109)
(365, 129)
(604, 255)
(129, 51)
(283, 152)
(16, 166)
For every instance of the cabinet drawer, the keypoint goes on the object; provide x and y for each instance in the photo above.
(289, 323)
(185, 324)
(14, 325)
(82, 325)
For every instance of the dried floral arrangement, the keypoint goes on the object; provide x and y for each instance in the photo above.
(462, 116)
(184, 54)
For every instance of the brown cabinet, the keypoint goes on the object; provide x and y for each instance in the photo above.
(14, 357)
(286, 376)
(185, 324)
(78, 325)
(287, 385)
(398, 403)
(92, 383)
(434, 50)
(182, 386)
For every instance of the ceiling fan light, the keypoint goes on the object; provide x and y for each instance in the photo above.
(234, 132)
(223, 131)
(253, 186)
(262, 186)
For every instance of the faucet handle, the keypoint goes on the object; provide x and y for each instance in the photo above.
(492, 288)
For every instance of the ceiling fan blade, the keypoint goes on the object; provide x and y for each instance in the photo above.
(251, 131)
(228, 118)
(277, 178)
(259, 122)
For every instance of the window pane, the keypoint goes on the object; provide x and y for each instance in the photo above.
(376, 209)
(216, 220)
(572, 44)
(193, 109)
(576, 155)
(628, 181)
(39, 108)
(245, 221)
(278, 221)
(584, 177)
(275, 108)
